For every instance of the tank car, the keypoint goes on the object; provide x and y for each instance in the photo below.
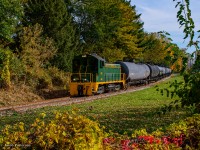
(161, 71)
(154, 72)
(135, 73)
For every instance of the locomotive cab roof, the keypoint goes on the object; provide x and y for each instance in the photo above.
(98, 57)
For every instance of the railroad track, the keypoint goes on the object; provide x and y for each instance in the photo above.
(9, 110)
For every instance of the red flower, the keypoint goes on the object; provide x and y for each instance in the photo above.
(158, 141)
(125, 144)
(175, 141)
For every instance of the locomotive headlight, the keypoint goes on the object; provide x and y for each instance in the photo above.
(85, 80)
(75, 79)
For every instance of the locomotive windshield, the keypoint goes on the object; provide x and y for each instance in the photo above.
(83, 68)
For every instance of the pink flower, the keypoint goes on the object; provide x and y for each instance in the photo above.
(108, 140)
(165, 140)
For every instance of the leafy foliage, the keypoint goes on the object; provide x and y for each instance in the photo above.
(189, 90)
(109, 28)
(130, 30)
(159, 49)
(71, 131)
(182, 135)
(5, 68)
(153, 46)
(185, 19)
(57, 24)
(64, 131)
(59, 78)
(35, 53)
(11, 13)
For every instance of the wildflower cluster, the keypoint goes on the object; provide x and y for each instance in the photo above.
(182, 135)
(148, 142)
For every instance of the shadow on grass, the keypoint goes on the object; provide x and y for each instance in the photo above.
(128, 120)
(120, 121)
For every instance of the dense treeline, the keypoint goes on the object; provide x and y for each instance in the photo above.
(39, 38)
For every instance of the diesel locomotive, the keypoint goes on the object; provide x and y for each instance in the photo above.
(92, 75)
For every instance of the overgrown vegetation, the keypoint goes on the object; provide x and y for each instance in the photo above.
(37, 54)
(64, 131)
(37, 43)
(181, 135)
(188, 91)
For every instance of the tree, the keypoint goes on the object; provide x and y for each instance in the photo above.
(35, 53)
(57, 24)
(109, 28)
(10, 16)
(97, 22)
(130, 30)
(154, 48)
(36, 50)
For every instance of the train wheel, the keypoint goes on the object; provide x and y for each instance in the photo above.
(101, 89)
(117, 87)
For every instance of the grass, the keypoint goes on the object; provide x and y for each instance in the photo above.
(122, 113)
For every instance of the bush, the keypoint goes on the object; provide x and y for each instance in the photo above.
(58, 77)
(5, 68)
(182, 135)
(64, 131)
(44, 81)
(17, 69)
(187, 91)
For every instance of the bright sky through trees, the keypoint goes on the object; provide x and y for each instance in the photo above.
(160, 15)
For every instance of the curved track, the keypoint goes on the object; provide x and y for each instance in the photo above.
(68, 101)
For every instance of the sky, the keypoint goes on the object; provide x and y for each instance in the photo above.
(160, 15)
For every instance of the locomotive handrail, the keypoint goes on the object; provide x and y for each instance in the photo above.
(123, 76)
(114, 76)
(81, 77)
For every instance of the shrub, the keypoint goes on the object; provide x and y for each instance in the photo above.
(44, 80)
(58, 77)
(17, 69)
(182, 135)
(5, 68)
(64, 131)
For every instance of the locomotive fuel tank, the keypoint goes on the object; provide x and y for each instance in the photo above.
(134, 71)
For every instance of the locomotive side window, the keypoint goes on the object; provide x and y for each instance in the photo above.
(102, 63)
